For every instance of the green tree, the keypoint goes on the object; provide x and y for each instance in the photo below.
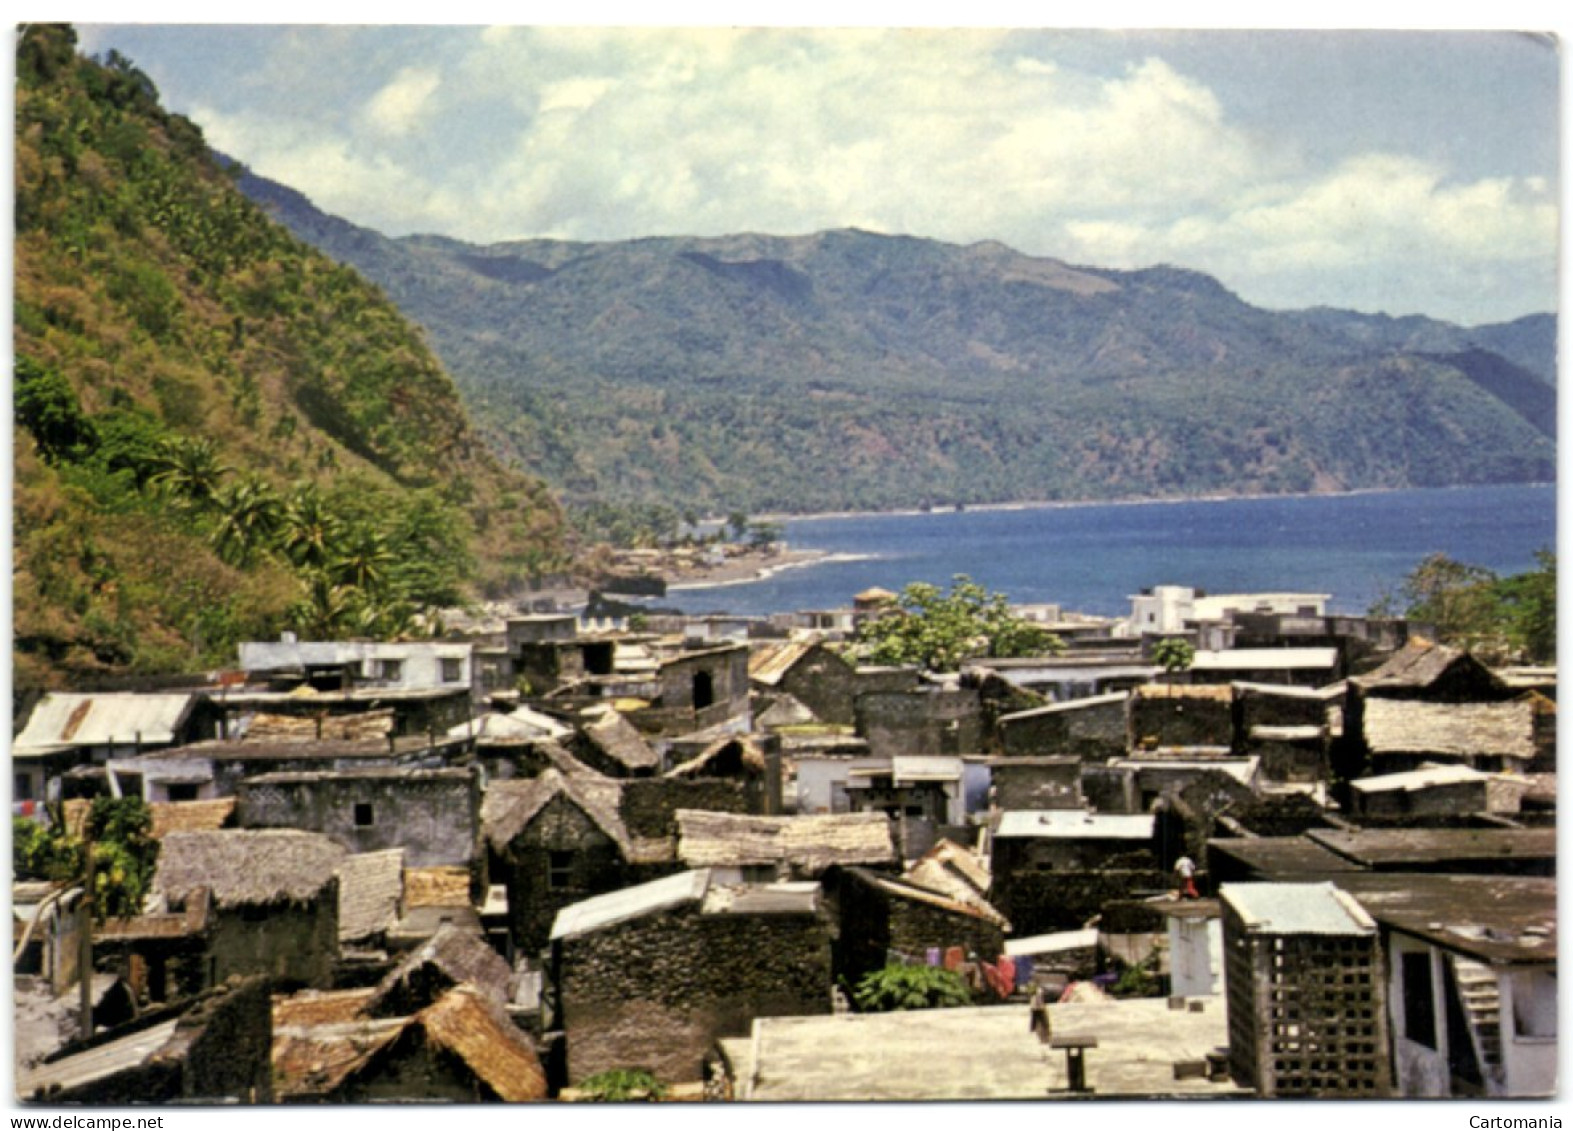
(1529, 609)
(1174, 656)
(939, 631)
(189, 468)
(124, 855)
(46, 405)
(902, 986)
(309, 531)
(248, 517)
(1458, 600)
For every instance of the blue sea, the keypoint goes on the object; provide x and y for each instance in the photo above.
(1092, 557)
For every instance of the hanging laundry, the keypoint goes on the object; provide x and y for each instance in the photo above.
(934, 956)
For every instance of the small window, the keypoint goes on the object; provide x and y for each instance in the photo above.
(364, 816)
(22, 784)
(391, 670)
(182, 791)
(1419, 1006)
(559, 870)
(452, 670)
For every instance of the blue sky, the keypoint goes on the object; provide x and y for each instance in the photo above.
(1405, 172)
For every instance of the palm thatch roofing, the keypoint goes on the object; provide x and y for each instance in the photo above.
(1458, 730)
(190, 816)
(476, 1030)
(451, 956)
(808, 844)
(314, 1060)
(440, 885)
(725, 757)
(510, 805)
(247, 867)
(1211, 692)
(321, 1007)
(1421, 664)
(273, 727)
(617, 738)
(371, 888)
(963, 902)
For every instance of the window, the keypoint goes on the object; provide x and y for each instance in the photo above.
(22, 784)
(182, 791)
(391, 670)
(1419, 1005)
(452, 670)
(559, 870)
(363, 814)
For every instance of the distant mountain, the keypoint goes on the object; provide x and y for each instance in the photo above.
(220, 433)
(853, 370)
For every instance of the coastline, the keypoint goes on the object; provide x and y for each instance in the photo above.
(761, 567)
(1142, 500)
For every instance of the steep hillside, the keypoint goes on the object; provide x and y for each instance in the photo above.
(220, 432)
(848, 369)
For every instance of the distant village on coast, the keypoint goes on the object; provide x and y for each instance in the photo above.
(1228, 844)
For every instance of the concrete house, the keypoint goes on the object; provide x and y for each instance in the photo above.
(433, 815)
(275, 901)
(1304, 976)
(651, 976)
(67, 730)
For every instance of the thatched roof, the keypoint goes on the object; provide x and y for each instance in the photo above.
(1459, 730)
(725, 757)
(314, 1060)
(247, 866)
(961, 901)
(510, 805)
(449, 957)
(321, 1007)
(617, 738)
(371, 886)
(807, 844)
(1420, 664)
(476, 1030)
(440, 885)
(272, 727)
(190, 816)
(1210, 692)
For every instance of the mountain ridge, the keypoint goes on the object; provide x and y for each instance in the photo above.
(847, 369)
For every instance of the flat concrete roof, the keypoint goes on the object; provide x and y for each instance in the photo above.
(1395, 848)
(988, 1053)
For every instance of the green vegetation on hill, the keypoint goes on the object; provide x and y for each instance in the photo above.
(220, 432)
(849, 370)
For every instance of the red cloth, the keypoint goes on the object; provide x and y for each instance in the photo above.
(954, 957)
(1007, 975)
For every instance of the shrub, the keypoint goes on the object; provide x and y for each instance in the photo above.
(900, 986)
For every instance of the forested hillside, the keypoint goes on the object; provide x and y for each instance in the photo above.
(855, 370)
(220, 432)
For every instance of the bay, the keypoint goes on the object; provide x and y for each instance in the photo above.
(1092, 557)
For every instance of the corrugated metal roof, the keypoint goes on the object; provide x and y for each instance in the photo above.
(72, 719)
(1056, 943)
(1240, 659)
(96, 1063)
(1074, 824)
(1297, 909)
(769, 664)
(630, 903)
(1423, 778)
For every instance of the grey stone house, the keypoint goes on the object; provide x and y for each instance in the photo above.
(434, 815)
(274, 899)
(811, 673)
(651, 976)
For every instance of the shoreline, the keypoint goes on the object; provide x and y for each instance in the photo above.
(747, 573)
(1143, 500)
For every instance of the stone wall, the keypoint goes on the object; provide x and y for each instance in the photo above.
(434, 815)
(656, 992)
(1041, 783)
(294, 944)
(226, 1043)
(1182, 720)
(1091, 733)
(1038, 903)
(648, 804)
(921, 722)
(824, 683)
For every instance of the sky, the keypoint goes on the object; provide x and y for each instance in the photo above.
(1402, 172)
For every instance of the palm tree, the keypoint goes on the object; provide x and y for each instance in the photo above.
(248, 516)
(189, 469)
(309, 531)
(363, 560)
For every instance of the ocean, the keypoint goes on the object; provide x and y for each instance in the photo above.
(1092, 557)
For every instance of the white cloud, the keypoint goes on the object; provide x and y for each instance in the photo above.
(959, 135)
(402, 106)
